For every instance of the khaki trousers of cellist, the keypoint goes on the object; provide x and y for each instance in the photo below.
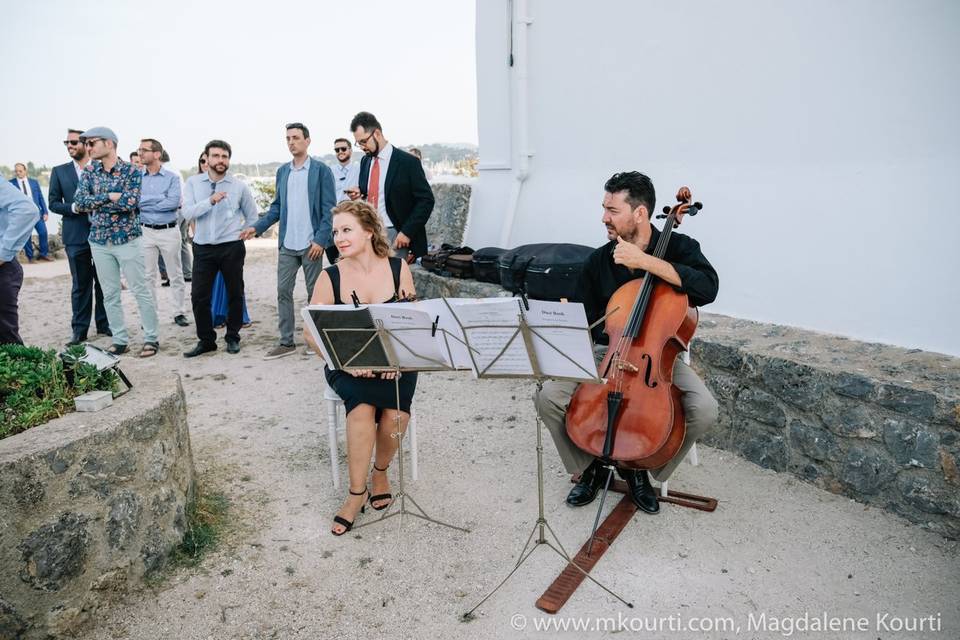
(699, 407)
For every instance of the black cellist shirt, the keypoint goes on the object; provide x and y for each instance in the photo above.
(601, 277)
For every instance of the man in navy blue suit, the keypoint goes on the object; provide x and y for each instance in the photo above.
(76, 231)
(31, 188)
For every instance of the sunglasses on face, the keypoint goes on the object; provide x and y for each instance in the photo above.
(340, 149)
(71, 143)
(91, 143)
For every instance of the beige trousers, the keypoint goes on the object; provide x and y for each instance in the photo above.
(699, 407)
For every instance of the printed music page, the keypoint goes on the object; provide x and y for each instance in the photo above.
(449, 334)
(491, 328)
(561, 340)
(411, 338)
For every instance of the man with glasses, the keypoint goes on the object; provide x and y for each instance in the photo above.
(86, 294)
(345, 175)
(222, 207)
(304, 198)
(393, 182)
(31, 188)
(110, 192)
(159, 202)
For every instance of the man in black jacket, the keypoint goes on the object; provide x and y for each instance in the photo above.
(628, 202)
(393, 181)
(76, 231)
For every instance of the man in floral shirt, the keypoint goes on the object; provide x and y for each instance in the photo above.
(109, 191)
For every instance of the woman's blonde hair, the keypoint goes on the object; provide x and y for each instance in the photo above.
(370, 221)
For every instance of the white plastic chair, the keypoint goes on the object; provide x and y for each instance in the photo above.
(692, 456)
(336, 418)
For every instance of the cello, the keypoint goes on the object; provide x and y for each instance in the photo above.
(634, 418)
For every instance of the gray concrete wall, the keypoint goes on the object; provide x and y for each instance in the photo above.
(90, 503)
(877, 423)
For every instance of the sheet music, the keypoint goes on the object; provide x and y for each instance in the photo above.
(480, 320)
(568, 337)
(449, 333)
(411, 337)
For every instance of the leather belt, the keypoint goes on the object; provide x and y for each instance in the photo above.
(159, 226)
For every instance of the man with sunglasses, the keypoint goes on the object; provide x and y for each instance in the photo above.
(345, 175)
(304, 197)
(393, 181)
(110, 192)
(86, 296)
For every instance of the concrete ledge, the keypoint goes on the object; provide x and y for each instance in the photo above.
(877, 423)
(90, 503)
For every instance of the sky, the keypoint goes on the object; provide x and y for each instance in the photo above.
(188, 72)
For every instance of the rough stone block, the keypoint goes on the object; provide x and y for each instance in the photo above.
(798, 384)
(865, 470)
(761, 406)
(853, 385)
(11, 624)
(767, 450)
(814, 442)
(925, 494)
(123, 522)
(716, 354)
(851, 419)
(723, 386)
(910, 442)
(912, 402)
(448, 221)
(55, 552)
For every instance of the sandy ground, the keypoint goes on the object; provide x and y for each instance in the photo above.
(776, 550)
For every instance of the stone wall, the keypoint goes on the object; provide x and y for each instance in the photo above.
(90, 503)
(448, 221)
(877, 423)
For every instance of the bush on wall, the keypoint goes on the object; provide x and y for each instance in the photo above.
(37, 385)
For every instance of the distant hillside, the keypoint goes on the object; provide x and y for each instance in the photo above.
(434, 154)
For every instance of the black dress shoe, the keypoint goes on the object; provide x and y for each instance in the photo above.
(104, 332)
(75, 340)
(181, 320)
(233, 346)
(199, 350)
(586, 489)
(641, 491)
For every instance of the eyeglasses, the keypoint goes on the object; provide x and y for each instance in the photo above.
(359, 143)
(341, 149)
(71, 143)
(142, 150)
(91, 142)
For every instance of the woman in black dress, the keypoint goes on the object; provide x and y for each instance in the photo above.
(365, 268)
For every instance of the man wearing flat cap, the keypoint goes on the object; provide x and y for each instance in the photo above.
(109, 192)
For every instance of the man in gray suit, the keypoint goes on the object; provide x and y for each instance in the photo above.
(76, 231)
(305, 196)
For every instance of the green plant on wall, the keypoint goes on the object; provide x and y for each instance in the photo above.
(37, 385)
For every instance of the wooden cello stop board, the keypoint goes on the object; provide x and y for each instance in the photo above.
(563, 587)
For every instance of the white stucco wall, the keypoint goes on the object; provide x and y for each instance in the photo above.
(823, 138)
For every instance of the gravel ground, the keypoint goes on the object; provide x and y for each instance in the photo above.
(777, 550)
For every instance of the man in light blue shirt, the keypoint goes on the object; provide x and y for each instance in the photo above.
(222, 207)
(159, 200)
(17, 217)
(346, 175)
(305, 196)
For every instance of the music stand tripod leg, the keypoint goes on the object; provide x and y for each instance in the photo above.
(402, 496)
(543, 526)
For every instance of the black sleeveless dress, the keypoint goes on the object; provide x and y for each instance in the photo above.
(380, 393)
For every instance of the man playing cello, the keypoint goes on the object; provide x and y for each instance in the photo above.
(627, 206)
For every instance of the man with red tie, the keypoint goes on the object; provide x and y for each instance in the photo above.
(393, 181)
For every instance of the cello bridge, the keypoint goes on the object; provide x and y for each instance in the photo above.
(624, 365)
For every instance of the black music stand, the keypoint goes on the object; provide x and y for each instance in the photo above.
(354, 340)
(532, 335)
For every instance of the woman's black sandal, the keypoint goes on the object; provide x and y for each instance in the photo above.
(381, 496)
(347, 524)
